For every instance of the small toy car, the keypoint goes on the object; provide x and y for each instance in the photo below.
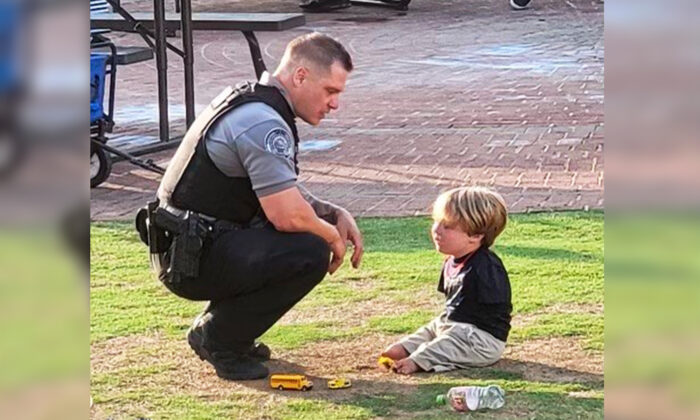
(386, 362)
(339, 383)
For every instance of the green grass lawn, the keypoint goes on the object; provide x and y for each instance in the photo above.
(141, 366)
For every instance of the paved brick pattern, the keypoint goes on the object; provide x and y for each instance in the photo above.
(449, 93)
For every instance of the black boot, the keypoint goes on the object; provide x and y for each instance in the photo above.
(323, 5)
(258, 351)
(519, 4)
(394, 4)
(229, 364)
(397, 4)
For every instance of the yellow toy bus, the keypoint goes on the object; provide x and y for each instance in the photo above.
(299, 382)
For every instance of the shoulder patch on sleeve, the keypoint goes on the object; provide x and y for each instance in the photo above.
(279, 142)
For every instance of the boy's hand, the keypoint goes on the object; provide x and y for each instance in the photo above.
(395, 352)
(386, 362)
(406, 366)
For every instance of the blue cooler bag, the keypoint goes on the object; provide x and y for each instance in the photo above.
(98, 64)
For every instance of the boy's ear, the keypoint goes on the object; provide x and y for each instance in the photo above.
(478, 237)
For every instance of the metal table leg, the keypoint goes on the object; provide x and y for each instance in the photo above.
(188, 59)
(162, 67)
(254, 46)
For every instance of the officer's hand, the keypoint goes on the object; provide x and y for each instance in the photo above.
(338, 253)
(348, 230)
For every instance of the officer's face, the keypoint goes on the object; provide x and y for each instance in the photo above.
(319, 93)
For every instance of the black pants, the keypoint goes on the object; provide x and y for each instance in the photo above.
(252, 277)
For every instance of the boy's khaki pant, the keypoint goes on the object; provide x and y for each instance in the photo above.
(444, 345)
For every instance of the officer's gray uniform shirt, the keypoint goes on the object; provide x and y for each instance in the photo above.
(254, 141)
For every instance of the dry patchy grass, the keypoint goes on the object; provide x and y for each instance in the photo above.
(545, 371)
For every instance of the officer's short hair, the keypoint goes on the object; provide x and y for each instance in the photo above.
(319, 49)
(474, 210)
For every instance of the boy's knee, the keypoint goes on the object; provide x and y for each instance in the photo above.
(492, 358)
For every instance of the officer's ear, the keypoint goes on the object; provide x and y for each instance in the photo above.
(300, 75)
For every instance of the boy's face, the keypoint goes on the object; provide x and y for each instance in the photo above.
(451, 240)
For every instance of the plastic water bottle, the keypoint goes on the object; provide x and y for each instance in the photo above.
(472, 398)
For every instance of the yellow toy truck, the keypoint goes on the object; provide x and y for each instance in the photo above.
(339, 383)
(299, 382)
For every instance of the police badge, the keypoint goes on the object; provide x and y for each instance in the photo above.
(278, 142)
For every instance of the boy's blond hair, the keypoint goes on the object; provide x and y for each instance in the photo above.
(474, 210)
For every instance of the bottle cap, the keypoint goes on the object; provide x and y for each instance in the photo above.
(440, 399)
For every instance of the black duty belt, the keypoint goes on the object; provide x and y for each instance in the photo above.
(179, 237)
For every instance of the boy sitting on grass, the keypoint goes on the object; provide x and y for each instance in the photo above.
(473, 329)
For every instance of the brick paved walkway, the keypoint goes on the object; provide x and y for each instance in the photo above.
(449, 93)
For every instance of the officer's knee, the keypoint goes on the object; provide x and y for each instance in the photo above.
(316, 255)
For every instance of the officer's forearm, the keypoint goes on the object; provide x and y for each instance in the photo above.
(304, 220)
(288, 211)
(323, 209)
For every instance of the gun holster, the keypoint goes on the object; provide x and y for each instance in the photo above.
(175, 242)
(157, 238)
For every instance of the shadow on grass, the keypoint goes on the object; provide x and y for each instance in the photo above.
(539, 253)
(531, 389)
(554, 218)
(511, 369)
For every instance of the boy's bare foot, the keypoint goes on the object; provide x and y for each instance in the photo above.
(396, 352)
(406, 366)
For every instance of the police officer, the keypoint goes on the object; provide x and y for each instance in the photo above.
(270, 241)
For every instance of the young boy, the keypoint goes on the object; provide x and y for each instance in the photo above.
(473, 329)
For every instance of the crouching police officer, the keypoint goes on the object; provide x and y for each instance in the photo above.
(234, 227)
